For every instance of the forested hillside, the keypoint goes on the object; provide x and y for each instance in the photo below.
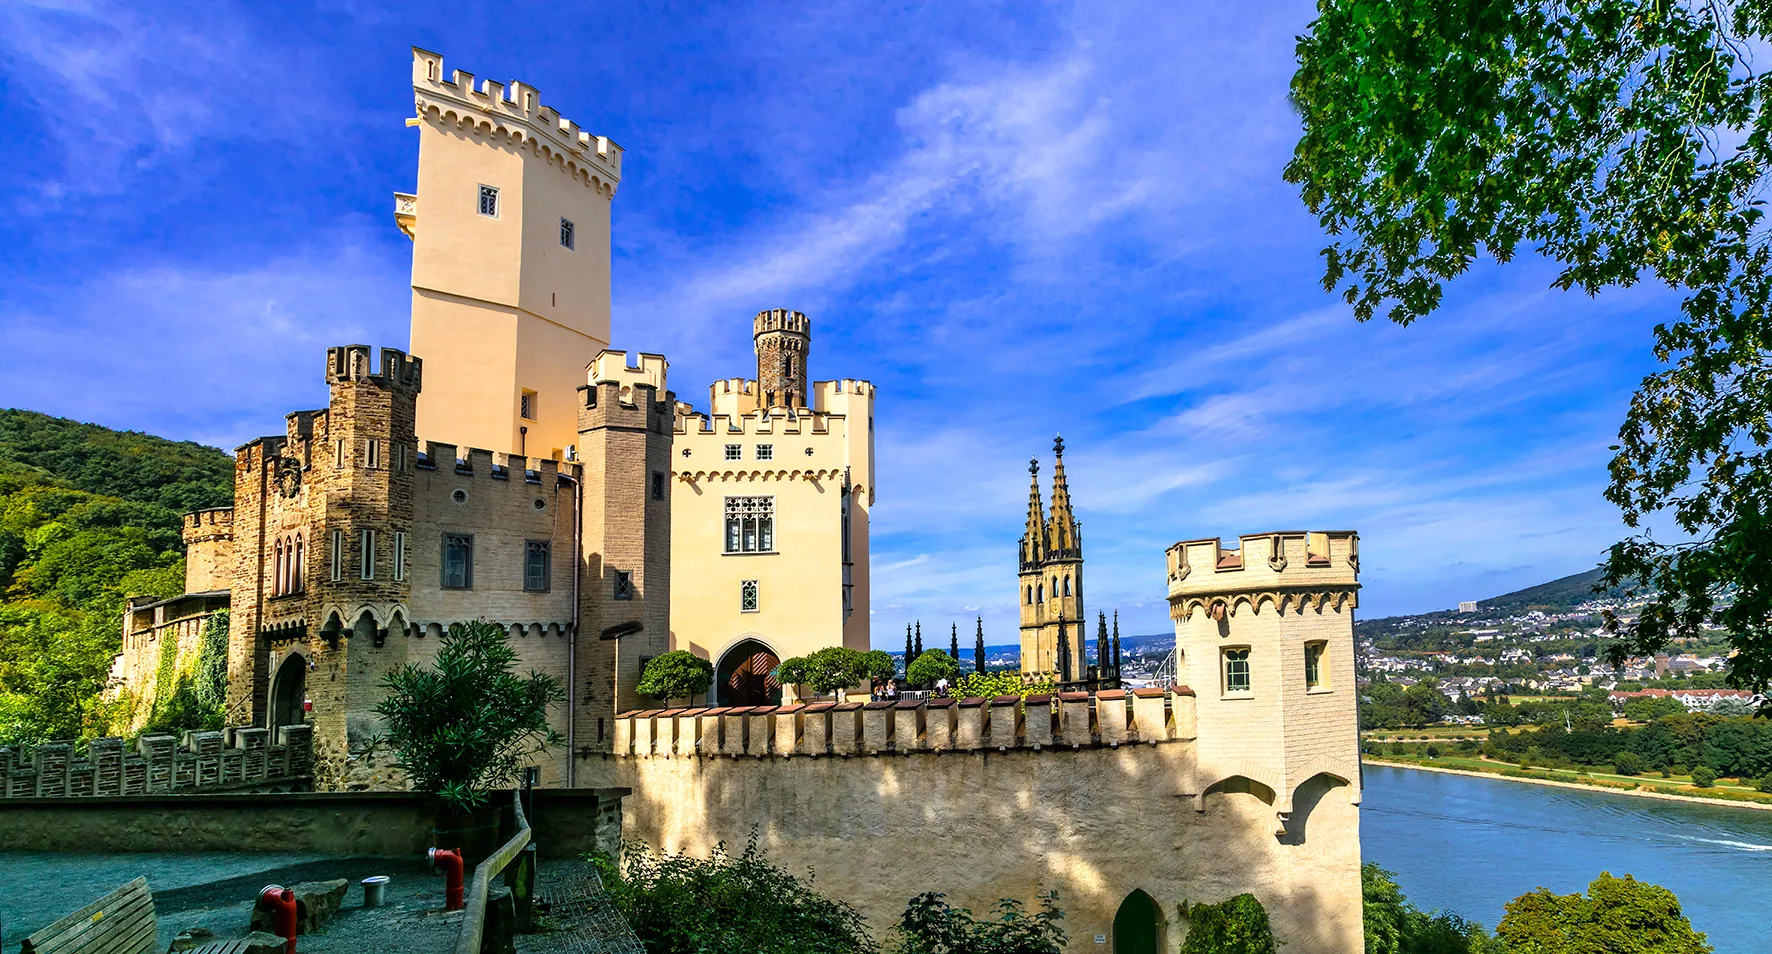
(88, 516)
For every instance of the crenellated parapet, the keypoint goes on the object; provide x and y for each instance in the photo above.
(353, 363)
(234, 759)
(1281, 569)
(823, 729)
(516, 112)
(480, 462)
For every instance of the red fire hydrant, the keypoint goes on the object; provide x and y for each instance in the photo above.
(281, 902)
(448, 861)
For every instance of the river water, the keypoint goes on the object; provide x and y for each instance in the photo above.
(1471, 845)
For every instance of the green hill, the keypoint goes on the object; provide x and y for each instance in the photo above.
(1559, 595)
(88, 517)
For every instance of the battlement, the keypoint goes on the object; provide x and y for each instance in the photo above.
(349, 363)
(611, 367)
(215, 522)
(1071, 720)
(479, 462)
(243, 758)
(515, 110)
(1282, 567)
(772, 422)
(781, 319)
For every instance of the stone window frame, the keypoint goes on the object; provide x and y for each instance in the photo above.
(545, 549)
(765, 451)
(748, 600)
(372, 455)
(568, 236)
(1316, 669)
(487, 203)
(1238, 681)
(399, 556)
(337, 556)
(466, 540)
(528, 405)
(622, 585)
(734, 452)
(754, 513)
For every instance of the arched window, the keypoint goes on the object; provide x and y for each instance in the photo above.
(1040, 593)
(296, 572)
(1067, 586)
(1030, 596)
(277, 579)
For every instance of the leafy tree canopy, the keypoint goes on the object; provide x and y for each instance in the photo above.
(180, 476)
(931, 667)
(827, 670)
(1395, 926)
(1617, 916)
(1622, 140)
(1237, 925)
(677, 674)
(999, 683)
(931, 926)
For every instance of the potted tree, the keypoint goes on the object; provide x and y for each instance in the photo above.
(678, 674)
(466, 725)
(829, 670)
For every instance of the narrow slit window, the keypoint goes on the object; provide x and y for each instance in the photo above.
(658, 485)
(399, 556)
(374, 454)
(566, 236)
(338, 555)
(1313, 664)
(527, 406)
(366, 542)
(536, 560)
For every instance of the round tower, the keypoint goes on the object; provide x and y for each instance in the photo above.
(783, 339)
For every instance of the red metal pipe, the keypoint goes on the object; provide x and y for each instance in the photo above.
(281, 901)
(448, 861)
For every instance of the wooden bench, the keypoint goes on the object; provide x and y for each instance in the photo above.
(121, 922)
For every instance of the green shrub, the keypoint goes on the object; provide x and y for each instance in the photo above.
(1703, 777)
(468, 723)
(930, 926)
(932, 667)
(679, 904)
(1764, 784)
(1628, 763)
(988, 684)
(827, 670)
(1433, 751)
(1235, 926)
(678, 674)
(878, 666)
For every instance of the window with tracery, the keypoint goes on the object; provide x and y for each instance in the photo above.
(750, 524)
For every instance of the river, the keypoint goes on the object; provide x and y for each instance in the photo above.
(1471, 845)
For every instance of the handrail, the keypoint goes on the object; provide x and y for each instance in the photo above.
(473, 922)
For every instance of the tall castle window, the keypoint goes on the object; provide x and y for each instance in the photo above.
(372, 455)
(458, 561)
(566, 237)
(279, 579)
(624, 585)
(338, 555)
(1236, 670)
(747, 596)
(658, 485)
(366, 541)
(750, 524)
(535, 566)
(526, 406)
(399, 556)
(1313, 664)
(489, 201)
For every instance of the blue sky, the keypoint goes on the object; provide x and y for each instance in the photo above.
(1016, 219)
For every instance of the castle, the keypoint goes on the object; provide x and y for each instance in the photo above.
(513, 468)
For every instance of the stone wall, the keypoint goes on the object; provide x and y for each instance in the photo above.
(206, 763)
(566, 823)
(988, 799)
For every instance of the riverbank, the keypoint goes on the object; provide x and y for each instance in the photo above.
(1639, 792)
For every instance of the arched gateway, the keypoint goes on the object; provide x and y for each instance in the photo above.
(746, 676)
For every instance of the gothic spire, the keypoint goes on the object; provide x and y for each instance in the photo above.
(1033, 539)
(1116, 644)
(919, 637)
(978, 648)
(954, 641)
(908, 655)
(1063, 534)
(1103, 649)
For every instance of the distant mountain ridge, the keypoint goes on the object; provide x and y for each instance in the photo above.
(179, 475)
(1559, 595)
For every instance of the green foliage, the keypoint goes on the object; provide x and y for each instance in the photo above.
(677, 674)
(1621, 139)
(1628, 763)
(1394, 926)
(211, 680)
(999, 683)
(679, 904)
(878, 665)
(1650, 708)
(1764, 784)
(1617, 916)
(931, 926)
(54, 661)
(827, 670)
(931, 667)
(1237, 925)
(179, 476)
(468, 723)
(1703, 776)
